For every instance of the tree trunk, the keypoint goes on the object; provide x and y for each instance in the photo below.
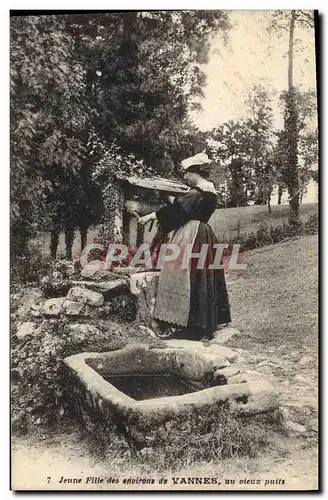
(237, 187)
(291, 124)
(69, 239)
(269, 204)
(279, 195)
(291, 51)
(84, 235)
(54, 237)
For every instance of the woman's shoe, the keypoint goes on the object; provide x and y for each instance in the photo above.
(166, 334)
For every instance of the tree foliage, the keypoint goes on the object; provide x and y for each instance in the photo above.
(292, 176)
(127, 78)
(243, 152)
(47, 114)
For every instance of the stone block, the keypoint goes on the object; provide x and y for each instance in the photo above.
(214, 356)
(262, 398)
(107, 288)
(96, 270)
(30, 299)
(85, 296)
(24, 329)
(222, 375)
(134, 358)
(72, 308)
(53, 307)
(144, 287)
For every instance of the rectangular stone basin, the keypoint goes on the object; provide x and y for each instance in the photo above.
(148, 393)
(149, 385)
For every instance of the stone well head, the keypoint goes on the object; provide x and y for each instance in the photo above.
(147, 393)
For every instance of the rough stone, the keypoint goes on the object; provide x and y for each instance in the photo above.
(206, 349)
(214, 356)
(30, 299)
(144, 287)
(306, 360)
(53, 307)
(295, 427)
(230, 371)
(195, 365)
(247, 376)
(185, 344)
(267, 362)
(96, 270)
(112, 288)
(266, 369)
(125, 271)
(53, 286)
(314, 425)
(285, 413)
(222, 375)
(81, 331)
(72, 308)
(27, 328)
(85, 296)
(302, 379)
(223, 335)
(135, 358)
(224, 352)
(35, 311)
(263, 397)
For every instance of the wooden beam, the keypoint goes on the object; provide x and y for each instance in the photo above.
(156, 184)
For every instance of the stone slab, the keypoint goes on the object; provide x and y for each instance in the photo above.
(222, 336)
(87, 297)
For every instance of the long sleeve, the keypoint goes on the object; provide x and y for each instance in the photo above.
(177, 214)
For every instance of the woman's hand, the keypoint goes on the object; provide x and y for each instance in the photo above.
(146, 218)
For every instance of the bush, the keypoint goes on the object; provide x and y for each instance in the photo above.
(267, 235)
(30, 267)
(37, 375)
(311, 226)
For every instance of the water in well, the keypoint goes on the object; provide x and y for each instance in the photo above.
(148, 386)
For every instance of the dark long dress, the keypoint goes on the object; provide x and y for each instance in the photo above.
(209, 304)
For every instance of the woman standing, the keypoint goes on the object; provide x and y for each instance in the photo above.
(191, 302)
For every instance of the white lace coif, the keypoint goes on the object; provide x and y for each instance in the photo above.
(199, 159)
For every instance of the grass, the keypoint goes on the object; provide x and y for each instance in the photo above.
(226, 224)
(275, 300)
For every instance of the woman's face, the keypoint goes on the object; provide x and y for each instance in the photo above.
(191, 179)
